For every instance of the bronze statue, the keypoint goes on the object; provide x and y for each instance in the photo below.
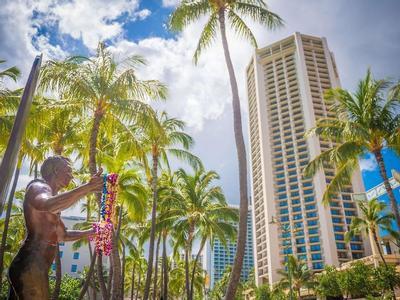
(28, 272)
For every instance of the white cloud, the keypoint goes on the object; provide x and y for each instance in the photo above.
(368, 164)
(197, 93)
(142, 14)
(170, 3)
(93, 20)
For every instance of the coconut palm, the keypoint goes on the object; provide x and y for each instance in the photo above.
(109, 91)
(199, 211)
(220, 12)
(176, 284)
(365, 123)
(7, 99)
(374, 216)
(162, 137)
(301, 276)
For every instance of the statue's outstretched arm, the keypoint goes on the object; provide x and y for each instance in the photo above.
(43, 200)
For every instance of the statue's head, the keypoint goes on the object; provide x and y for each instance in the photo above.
(57, 169)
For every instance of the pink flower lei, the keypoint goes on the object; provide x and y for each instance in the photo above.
(104, 228)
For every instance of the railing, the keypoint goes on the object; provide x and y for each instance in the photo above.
(392, 259)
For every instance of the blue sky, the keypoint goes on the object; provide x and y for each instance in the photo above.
(361, 34)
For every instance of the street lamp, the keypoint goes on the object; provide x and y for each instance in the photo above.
(285, 228)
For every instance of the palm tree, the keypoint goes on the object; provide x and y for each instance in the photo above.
(12, 73)
(176, 284)
(162, 137)
(109, 91)
(221, 11)
(301, 276)
(365, 122)
(374, 216)
(198, 210)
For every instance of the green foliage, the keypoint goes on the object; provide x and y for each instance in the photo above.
(70, 287)
(328, 283)
(219, 289)
(385, 277)
(296, 276)
(265, 292)
(365, 121)
(233, 11)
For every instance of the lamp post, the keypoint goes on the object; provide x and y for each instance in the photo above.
(285, 228)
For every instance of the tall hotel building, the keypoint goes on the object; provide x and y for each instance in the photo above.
(285, 85)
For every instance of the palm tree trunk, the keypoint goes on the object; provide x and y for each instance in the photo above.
(7, 222)
(98, 115)
(116, 291)
(165, 268)
(133, 280)
(88, 277)
(123, 268)
(203, 242)
(156, 268)
(382, 170)
(153, 228)
(115, 288)
(57, 286)
(241, 154)
(187, 279)
(100, 277)
(138, 287)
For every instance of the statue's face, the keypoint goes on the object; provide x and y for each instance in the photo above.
(64, 174)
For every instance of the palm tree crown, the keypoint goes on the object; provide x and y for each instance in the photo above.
(366, 121)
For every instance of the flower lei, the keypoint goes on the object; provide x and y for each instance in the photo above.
(104, 228)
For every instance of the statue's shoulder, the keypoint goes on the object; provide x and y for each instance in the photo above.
(37, 186)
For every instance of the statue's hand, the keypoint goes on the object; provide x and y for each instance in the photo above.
(96, 182)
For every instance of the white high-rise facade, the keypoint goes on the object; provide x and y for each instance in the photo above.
(285, 84)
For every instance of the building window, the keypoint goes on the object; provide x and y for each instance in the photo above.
(284, 211)
(302, 257)
(287, 251)
(314, 239)
(283, 203)
(313, 231)
(318, 266)
(61, 254)
(316, 256)
(61, 243)
(341, 246)
(355, 247)
(300, 241)
(312, 222)
(74, 268)
(308, 192)
(76, 255)
(301, 249)
(335, 212)
(297, 217)
(338, 228)
(315, 248)
(310, 207)
(309, 199)
(311, 214)
(339, 237)
(297, 208)
(53, 267)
